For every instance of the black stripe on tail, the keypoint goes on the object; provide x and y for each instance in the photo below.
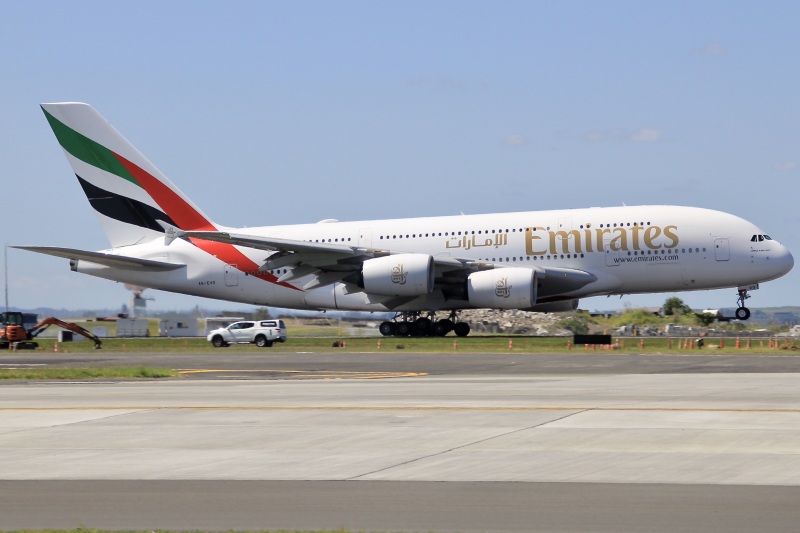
(124, 209)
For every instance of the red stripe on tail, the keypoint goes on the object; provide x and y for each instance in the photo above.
(187, 218)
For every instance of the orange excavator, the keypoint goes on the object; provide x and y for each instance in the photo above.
(14, 334)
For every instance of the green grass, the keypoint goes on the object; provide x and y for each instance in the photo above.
(449, 344)
(85, 373)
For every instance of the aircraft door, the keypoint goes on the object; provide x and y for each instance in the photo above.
(565, 225)
(365, 237)
(231, 276)
(722, 249)
(612, 256)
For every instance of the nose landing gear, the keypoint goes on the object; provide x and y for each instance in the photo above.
(742, 312)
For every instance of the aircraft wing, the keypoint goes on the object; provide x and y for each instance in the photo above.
(100, 258)
(331, 262)
(271, 243)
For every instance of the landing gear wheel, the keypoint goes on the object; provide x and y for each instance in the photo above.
(742, 313)
(461, 329)
(421, 327)
(442, 327)
(386, 328)
(402, 329)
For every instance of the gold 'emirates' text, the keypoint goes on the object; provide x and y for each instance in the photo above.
(540, 241)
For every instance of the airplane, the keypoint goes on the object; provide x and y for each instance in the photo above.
(425, 270)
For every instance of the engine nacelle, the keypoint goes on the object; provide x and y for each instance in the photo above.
(502, 288)
(399, 275)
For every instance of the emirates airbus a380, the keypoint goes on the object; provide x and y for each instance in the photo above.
(423, 269)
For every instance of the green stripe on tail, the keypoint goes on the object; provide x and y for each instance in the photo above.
(87, 150)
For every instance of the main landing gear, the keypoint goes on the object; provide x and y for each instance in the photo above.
(742, 313)
(416, 325)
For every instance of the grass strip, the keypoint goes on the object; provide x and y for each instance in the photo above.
(450, 344)
(87, 373)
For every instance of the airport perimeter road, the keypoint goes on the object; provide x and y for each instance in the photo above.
(396, 506)
(458, 452)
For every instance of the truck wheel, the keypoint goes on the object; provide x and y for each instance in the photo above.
(218, 341)
(262, 342)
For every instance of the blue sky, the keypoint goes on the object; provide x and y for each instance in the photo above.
(293, 112)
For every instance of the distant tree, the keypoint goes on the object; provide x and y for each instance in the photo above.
(705, 319)
(261, 313)
(575, 325)
(675, 306)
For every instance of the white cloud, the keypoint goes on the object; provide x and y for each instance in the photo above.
(623, 135)
(713, 49)
(784, 165)
(515, 140)
(438, 82)
(647, 135)
(613, 134)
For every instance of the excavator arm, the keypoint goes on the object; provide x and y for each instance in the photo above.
(70, 326)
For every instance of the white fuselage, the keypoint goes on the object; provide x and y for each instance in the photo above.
(639, 249)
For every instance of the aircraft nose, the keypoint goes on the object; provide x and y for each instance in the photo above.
(781, 261)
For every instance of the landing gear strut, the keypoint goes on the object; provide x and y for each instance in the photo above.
(742, 312)
(417, 325)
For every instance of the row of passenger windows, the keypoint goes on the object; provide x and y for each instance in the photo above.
(531, 258)
(667, 251)
(348, 239)
(663, 251)
(615, 225)
(276, 272)
(451, 233)
(481, 232)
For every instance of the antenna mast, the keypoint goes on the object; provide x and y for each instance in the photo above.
(5, 272)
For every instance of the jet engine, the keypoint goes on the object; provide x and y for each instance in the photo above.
(399, 275)
(502, 288)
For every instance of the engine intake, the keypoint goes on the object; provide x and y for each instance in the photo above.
(399, 275)
(502, 288)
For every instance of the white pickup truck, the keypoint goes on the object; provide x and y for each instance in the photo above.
(261, 332)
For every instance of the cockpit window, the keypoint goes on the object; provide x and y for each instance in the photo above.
(760, 238)
(754, 238)
(767, 238)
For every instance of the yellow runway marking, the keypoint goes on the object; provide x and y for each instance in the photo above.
(310, 374)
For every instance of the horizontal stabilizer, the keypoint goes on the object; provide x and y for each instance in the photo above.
(100, 258)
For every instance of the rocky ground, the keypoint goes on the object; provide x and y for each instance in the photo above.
(514, 322)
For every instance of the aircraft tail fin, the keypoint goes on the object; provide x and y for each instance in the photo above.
(129, 194)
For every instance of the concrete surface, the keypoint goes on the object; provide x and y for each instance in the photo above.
(72, 452)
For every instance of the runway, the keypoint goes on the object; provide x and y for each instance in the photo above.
(514, 448)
